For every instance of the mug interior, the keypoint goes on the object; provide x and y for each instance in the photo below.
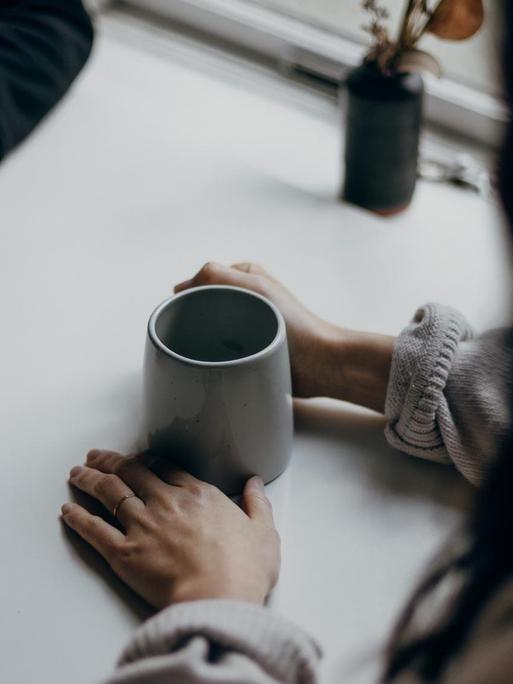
(216, 325)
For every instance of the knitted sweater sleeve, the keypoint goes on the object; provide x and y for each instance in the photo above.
(447, 398)
(214, 641)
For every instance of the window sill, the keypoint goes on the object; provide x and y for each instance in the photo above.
(300, 49)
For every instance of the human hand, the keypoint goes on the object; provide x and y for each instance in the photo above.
(326, 360)
(307, 334)
(181, 539)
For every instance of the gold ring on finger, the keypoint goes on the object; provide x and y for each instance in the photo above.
(120, 503)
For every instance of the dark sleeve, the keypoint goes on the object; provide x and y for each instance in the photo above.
(43, 46)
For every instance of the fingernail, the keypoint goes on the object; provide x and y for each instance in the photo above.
(66, 508)
(75, 470)
(258, 483)
(183, 285)
(92, 454)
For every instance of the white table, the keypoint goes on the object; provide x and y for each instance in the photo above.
(162, 158)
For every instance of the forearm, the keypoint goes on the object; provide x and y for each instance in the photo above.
(353, 366)
(444, 393)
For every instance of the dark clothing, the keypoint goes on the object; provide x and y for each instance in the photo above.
(43, 46)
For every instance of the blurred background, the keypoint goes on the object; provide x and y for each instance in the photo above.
(320, 40)
(472, 62)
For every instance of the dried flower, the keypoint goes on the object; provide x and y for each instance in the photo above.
(456, 19)
(378, 15)
(447, 19)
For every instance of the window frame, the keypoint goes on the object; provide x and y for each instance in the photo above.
(293, 45)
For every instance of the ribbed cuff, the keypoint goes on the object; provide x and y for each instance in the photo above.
(281, 649)
(421, 364)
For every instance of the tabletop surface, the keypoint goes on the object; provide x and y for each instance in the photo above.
(163, 157)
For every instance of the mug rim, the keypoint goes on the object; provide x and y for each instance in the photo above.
(262, 354)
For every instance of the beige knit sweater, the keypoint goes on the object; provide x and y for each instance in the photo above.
(446, 401)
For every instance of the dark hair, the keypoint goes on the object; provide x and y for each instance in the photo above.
(484, 564)
(486, 561)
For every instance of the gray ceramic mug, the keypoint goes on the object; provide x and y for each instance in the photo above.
(217, 386)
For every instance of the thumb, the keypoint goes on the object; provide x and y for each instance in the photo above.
(255, 502)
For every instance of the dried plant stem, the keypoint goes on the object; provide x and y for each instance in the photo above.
(420, 17)
(403, 34)
(408, 36)
(423, 28)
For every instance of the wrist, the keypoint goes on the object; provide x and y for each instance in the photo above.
(332, 352)
(212, 588)
(352, 366)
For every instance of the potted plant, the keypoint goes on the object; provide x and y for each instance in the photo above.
(385, 93)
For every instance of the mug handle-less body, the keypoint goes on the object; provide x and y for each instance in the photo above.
(222, 421)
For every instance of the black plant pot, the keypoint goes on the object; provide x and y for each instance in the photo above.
(384, 117)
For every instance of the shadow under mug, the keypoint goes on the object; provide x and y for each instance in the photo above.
(217, 386)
